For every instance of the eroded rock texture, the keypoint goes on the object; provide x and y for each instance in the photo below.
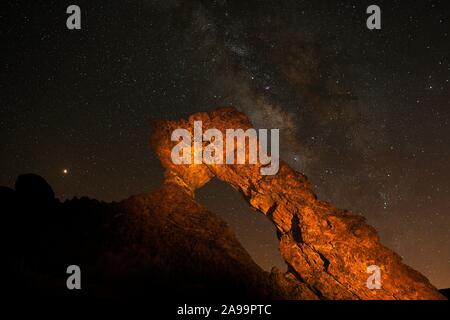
(327, 249)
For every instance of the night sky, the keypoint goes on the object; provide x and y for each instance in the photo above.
(363, 113)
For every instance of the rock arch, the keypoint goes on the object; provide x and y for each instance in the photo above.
(327, 250)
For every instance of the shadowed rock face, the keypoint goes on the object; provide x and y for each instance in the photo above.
(160, 246)
(327, 249)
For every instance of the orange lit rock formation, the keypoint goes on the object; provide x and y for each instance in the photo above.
(327, 249)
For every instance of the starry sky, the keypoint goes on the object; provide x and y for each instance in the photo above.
(363, 113)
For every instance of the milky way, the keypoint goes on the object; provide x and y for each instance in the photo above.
(364, 114)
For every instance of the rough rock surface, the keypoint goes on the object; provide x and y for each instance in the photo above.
(327, 249)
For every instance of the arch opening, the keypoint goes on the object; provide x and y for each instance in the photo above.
(255, 232)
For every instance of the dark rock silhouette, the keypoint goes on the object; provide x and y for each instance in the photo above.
(34, 188)
(162, 245)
